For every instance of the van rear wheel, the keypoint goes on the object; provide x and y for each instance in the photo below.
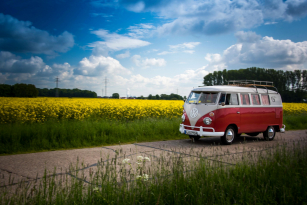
(269, 134)
(229, 136)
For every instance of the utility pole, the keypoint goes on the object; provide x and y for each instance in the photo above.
(57, 89)
(106, 85)
(102, 93)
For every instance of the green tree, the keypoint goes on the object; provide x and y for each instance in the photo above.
(292, 85)
(6, 90)
(115, 95)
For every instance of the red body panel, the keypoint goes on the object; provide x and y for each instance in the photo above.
(247, 119)
(225, 117)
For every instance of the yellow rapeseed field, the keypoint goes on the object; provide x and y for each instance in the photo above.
(294, 108)
(42, 109)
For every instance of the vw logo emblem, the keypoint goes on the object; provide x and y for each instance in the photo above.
(193, 113)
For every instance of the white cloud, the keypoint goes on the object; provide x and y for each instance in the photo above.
(248, 37)
(212, 17)
(141, 30)
(184, 82)
(10, 63)
(123, 55)
(260, 52)
(115, 42)
(91, 72)
(189, 45)
(100, 65)
(21, 36)
(147, 62)
(270, 23)
(166, 52)
(181, 48)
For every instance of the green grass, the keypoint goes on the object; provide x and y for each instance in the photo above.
(53, 135)
(278, 177)
(295, 122)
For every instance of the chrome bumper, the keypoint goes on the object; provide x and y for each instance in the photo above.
(200, 132)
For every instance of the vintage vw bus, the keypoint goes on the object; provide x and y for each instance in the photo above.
(227, 111)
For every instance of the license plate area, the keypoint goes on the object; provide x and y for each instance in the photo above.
(189, 132)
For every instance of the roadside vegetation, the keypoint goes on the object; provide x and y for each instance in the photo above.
(273, 176)
(16, 138)
(53, 135)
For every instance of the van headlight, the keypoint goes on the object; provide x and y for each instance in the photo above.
(207, 120)
(183, 118)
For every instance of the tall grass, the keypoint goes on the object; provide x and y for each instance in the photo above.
(295, 122)
(277, 177)
(53, 135)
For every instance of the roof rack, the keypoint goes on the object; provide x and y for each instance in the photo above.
(252, 83)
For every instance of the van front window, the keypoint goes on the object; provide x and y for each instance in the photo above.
(208, 98)
(193, 98)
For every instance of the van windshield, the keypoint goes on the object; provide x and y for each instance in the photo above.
(202, 97)
(193, 98)
(208, 98)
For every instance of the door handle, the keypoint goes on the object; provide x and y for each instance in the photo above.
(238, 112)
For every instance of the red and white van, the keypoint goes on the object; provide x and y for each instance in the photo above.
(227, 111)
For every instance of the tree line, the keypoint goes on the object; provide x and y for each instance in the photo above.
(45, 92)
(292, 85)
(29, 90)
(18, 90)
(172, 96)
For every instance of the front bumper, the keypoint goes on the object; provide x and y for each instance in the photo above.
(200, 132)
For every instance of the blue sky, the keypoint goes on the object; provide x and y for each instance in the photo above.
(146, 47)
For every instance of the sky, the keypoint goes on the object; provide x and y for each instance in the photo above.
(143, 47)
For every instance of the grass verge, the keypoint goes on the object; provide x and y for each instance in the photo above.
(67, 134)
(295, 122)
(277, 177)
(53, 135)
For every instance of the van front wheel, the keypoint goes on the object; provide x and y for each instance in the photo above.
(269, 134)
(229, 135)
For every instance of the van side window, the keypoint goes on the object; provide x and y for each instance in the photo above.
(234, 99)
(265, 100)
(222, 98)
(256, 100)
(228, 100)
(245, 99)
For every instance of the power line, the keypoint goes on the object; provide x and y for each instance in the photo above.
(106, 85)
(57, 89)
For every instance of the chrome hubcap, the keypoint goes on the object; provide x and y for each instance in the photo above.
(229, 135)
(270, 132)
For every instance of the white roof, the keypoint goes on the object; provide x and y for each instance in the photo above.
(227, 88)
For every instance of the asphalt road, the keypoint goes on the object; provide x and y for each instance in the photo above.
(29, 167)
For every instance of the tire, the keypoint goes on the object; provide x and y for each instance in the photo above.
(229, 136)
(269, 134)
(253, 134)
(196, 138)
